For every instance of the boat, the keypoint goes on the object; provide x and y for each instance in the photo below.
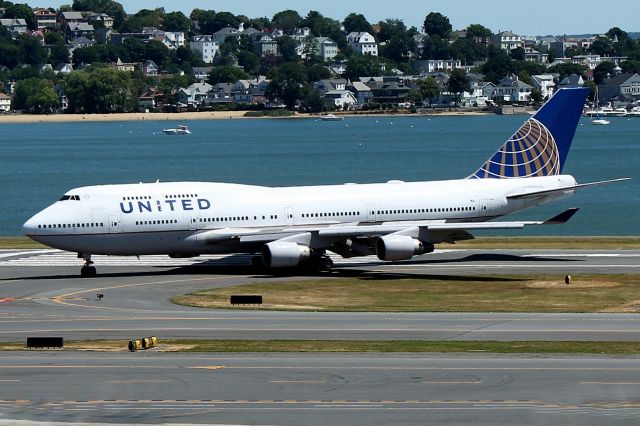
(180, 130)
(331, 117)
(600, 122)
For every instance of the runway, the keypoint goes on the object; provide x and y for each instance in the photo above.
(51, 299)
(42, 294)
(295, 389)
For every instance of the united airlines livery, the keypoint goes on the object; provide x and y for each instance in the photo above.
(291, 226)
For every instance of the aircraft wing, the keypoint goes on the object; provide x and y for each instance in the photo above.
(324, 236)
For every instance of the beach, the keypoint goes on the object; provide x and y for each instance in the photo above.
(186, 116)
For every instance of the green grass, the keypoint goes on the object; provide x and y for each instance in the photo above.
(412, 346)
(19, 243)
(394, 292)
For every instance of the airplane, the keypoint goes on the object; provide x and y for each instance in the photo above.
(295, 226)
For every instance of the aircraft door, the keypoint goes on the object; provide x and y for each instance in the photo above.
(193, 222)
(114, 223)
(288, 216)
(371, 213)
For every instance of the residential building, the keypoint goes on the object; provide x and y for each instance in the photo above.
(506, 40)
(511, 89)
(340, 99)
(173, 40)
(573, 80)
(363, 43)
(221, 35)
(328, 85)
(79, 29)
(545, 84)
(123, 66)
(326, 48)
(264, 44)
(532, 55)
(150, 68)
(361, 91)
(393, 92)
(146, 103)
(44, 17)
(201, 73)
(194, 95)
(207, 47)
(65, 18)
(102, 19)
(5, 102)
(622, 87)
(63, 69)
(425, 66)
(15, 26)
(220, 93)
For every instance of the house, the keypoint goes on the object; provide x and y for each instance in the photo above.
(326, 48)
(14, 25)
(532, 55)
(101, 19)
(79, 29)
(194, 95)
(506, 40)
(545, 84)
(207, 47)
(361, 91)
(425, 66)
(80, 42)
(393, 92)
(328, 85)
(123, 66)
(146, 103)
(150, 68)
(220, 93)
(340, 99)
(511, 89)
(573, 80)
(44, 17)
(5, 102)
(201, 73)
(173, 40)
(221, 35)
(621, 87)
(103, 35)
(264, 44)
(363, 43)
(65, 18)
(63, 69)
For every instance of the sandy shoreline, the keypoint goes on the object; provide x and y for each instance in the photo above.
(185, 116)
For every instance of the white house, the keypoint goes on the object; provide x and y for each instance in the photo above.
(545, 84)
(194, 94)
(506, 40)
(512, 90)
(221, 35)
(14, 25)
(363, 42)
(173, 40)
(5, 102)
(326, 48)
(339, 98)
(207, 47)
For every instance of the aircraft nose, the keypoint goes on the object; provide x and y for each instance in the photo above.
(29, 227)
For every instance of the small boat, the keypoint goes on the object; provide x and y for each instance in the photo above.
(600, 122)
(331, 117)
(180, 130)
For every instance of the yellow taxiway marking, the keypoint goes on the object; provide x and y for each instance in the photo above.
(459, 382)
(9, 380)
(209, 367)
(297, 381)
(610, 383)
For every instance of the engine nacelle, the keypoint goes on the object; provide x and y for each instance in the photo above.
(398, 247)
(282, 254)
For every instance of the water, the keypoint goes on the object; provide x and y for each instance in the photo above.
(39, 162)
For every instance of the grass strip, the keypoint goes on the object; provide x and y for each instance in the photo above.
(370, 346)
(413, 292)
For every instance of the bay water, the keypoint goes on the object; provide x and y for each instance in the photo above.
(39, 162)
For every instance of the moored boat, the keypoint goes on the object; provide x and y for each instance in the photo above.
(331, 117)
(180, 130)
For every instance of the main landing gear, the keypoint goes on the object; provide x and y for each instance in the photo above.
(88, 270)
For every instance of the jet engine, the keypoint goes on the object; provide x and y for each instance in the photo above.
(282, 254)
(399, 247)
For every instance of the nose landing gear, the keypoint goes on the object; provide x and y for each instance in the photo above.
(88, 270)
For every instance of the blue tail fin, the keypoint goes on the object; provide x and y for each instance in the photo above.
(541, 145)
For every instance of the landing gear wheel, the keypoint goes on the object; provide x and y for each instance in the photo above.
(326, 264)
(88, 271)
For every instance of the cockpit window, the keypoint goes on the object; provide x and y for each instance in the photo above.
(70, 197)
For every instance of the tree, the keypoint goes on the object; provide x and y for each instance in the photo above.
(156, 51)
(477, 30)
(362, 65)
(437, 24)
(436, 48)
(602, 71)
(630, 66)
(498, 65)
(249, 61)
(458, 83)
(176, 21)
(429, 88)
(414, 96)
(287, 49)
(356, 23)
(59, 54)
(311, 100)
(287, 82)
(226, 74)
(110, 7)
(22, 11)
(135, 48)
(517, 54)
(536, 95)
(144, 18)
(223, 20)
(287, 20)
(319, 25)
(76, 86)
(317, 72)
(31, 50)
(310, 50)
(108, 90)
(602, 46)
(35, 95)
(567, 69)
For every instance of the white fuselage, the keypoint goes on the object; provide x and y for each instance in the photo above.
(166, 218)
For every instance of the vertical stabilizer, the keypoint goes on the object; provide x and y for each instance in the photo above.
(541, 145)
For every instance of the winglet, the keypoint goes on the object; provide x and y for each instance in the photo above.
(562, 217)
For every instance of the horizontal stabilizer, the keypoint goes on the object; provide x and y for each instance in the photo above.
(562, 217)
(537, 194)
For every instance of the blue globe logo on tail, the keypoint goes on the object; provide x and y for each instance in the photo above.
(541, 145)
